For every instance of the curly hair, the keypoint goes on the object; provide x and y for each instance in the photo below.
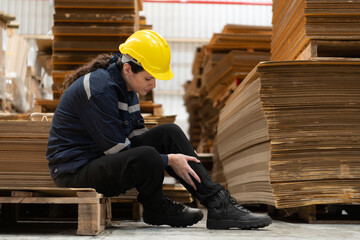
(101, 61)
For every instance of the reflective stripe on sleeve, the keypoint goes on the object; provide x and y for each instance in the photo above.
(118, 147)
(137, 132)
(123, 106)
(87, 85)
(131, 109)
(134, 108)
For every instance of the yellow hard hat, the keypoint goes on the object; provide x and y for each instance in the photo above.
(152, 51)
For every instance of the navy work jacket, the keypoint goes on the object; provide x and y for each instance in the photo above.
(96, 116)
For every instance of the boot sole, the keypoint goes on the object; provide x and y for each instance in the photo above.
(158, 222)
(226, 224)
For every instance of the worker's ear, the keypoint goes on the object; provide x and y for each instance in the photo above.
(127, 69)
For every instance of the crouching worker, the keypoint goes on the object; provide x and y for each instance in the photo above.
(98, 140)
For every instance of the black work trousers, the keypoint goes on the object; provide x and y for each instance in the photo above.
(142, 167)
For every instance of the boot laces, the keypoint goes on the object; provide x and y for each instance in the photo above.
(234, 202)
(173, 206)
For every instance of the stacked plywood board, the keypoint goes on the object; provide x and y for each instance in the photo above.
(218, 68)
(289, 135)
(300, 24)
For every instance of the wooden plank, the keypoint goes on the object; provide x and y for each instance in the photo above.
(93, 31)
(70, 60)
(105, 46)
(6, 18)
(48, 200)
(98, 16)
(149, 107)
(98, 4)
(317, 49)
(52, 191)
(45, 105)
(89, 220)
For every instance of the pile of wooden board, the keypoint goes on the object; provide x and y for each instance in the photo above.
(289, 135)
(218, 68)
(299, 24)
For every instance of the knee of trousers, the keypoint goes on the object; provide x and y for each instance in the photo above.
(171, 129)
(150, 159)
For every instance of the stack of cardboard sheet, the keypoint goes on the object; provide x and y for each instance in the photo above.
(222, 79)
(192, 99)
(229, 56)
(84, 29)
(217, 171)
(289, 135)
(218, 68)
(22, 153)
(192, 103)
(298, 25)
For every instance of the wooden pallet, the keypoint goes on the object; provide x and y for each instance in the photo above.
(327, 213)
(46, 105)
(319, 213)
(126, 206)
(94, 211)
(317, 49)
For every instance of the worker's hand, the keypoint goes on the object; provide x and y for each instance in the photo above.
(179, 163)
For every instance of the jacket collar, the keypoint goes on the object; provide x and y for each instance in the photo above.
(116, 76)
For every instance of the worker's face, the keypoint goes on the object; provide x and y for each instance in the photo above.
(141, 82)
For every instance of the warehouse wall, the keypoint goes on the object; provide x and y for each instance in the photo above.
(33, 16)
(187, 26)
(186, 20)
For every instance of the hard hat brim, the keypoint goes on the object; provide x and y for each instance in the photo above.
(162, 76)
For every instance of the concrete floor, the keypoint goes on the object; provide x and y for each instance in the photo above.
(140, 231)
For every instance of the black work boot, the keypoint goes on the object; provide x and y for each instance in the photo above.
(172, 213)
(224, 212)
